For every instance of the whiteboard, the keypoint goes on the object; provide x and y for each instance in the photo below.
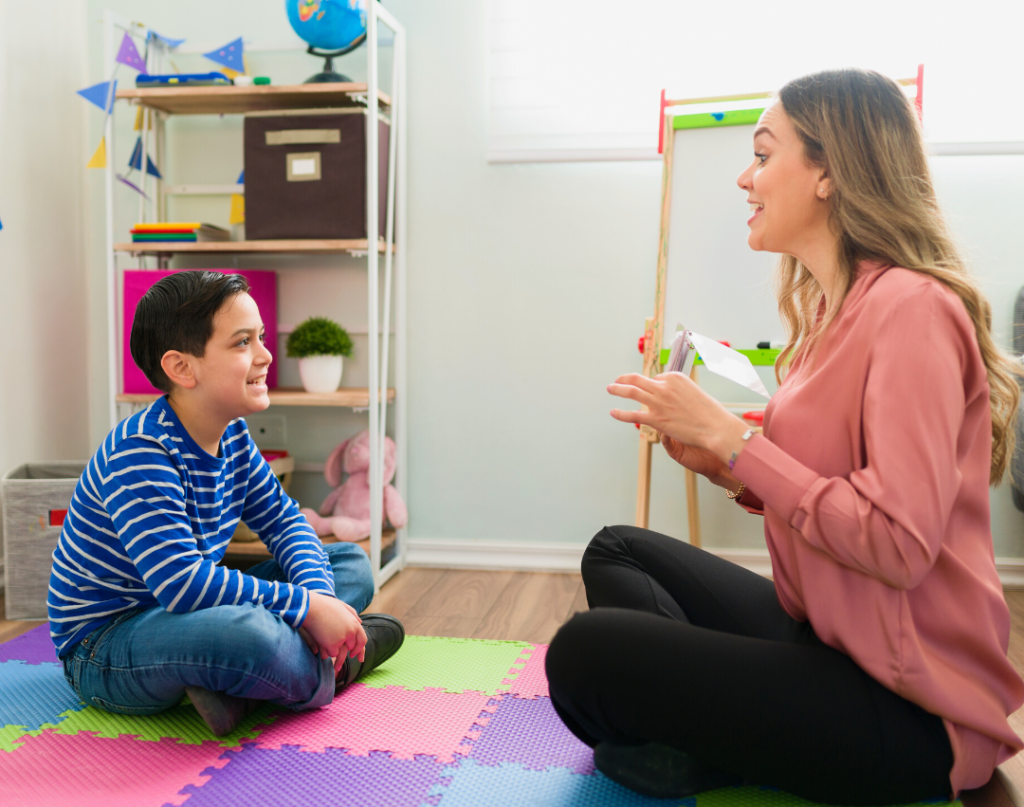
(716, 284)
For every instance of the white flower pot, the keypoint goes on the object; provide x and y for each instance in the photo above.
(320, 373)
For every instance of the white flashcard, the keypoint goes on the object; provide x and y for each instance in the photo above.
(728, 363)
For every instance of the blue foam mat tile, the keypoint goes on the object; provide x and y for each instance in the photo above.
(34, 694)
(512, 785)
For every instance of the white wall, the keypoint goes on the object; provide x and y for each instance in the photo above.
(528, 288)
(44, 363)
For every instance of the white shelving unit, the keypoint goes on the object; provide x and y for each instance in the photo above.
(166, 101)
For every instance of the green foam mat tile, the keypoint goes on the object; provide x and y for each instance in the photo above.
(9, 736)
(181, 723)
(770, 797)
(453, 665)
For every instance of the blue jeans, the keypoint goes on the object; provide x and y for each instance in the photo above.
(141, 661)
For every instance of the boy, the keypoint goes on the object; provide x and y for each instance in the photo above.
(139, 610)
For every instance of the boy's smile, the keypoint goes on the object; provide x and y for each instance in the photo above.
(232, 375)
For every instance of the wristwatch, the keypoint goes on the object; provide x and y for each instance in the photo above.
(746, 436)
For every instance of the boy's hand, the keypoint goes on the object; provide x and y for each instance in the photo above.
(314, 648)
(333, 627)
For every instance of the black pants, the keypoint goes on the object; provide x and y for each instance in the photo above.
(686, 649)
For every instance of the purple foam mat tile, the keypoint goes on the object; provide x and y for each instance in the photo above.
(32, 647)
(529, 733)
(289, 776)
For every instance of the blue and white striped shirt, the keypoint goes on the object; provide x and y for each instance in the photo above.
(152, 516)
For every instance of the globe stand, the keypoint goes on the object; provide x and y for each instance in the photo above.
(327, 75)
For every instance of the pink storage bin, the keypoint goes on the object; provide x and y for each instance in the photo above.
(262, 288)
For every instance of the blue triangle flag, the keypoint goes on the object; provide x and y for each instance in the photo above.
(241, 177)
(230, 55)
(98, 94)
(135, 161)
(171, 43)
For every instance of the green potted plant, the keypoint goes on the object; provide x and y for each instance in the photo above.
(319, 344)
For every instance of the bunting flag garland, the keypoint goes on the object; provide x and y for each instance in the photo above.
(237, 214)
(168, 41)
(139, 113)
(133, 186)
(99, 157)
(102, 95)
(135, 161)
(229, 56)
(129, 55)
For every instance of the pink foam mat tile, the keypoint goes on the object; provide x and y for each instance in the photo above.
(531, 681)
(57, 770)
(404, 723)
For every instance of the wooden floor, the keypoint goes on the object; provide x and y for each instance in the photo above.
(530, 607)
(523, 606)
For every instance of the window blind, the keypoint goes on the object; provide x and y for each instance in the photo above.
(581, 79)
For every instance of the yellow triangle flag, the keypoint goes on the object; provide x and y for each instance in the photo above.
(227, 71)
(237, 209)
(99, 157)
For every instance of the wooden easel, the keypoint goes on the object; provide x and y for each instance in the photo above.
(654, 328)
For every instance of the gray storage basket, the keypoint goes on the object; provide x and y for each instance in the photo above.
(29, 493)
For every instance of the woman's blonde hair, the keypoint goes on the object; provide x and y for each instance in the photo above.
(863, 131)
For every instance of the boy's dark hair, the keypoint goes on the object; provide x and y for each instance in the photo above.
(177, 314)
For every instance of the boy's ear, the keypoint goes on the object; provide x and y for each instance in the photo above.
(178, 368)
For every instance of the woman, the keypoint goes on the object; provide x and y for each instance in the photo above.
(873, 670)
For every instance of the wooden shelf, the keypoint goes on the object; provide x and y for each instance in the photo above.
(289, 396)
(257, 549)
(237, 100)
(277, 245)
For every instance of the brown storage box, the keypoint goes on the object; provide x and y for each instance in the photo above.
(305, 174)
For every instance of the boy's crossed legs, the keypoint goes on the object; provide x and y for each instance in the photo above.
(142, 661)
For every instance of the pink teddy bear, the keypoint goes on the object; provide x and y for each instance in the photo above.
(345, 512)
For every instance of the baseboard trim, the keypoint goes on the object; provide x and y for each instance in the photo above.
(537, 556)
(1011, 572)
(531, 556)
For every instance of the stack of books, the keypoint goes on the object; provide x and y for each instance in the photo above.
(179, 231)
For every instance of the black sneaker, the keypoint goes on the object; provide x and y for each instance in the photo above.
(220, 711)
(659, 770)
(384, 635)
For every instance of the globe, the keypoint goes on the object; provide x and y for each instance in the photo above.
(328, 24)
(331, 26)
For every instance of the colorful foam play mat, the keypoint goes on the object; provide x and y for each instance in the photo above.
(446, 723)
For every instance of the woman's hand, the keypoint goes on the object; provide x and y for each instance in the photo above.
(699, 460)
(680, 409)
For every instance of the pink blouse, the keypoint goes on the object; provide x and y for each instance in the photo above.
(872, 476)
